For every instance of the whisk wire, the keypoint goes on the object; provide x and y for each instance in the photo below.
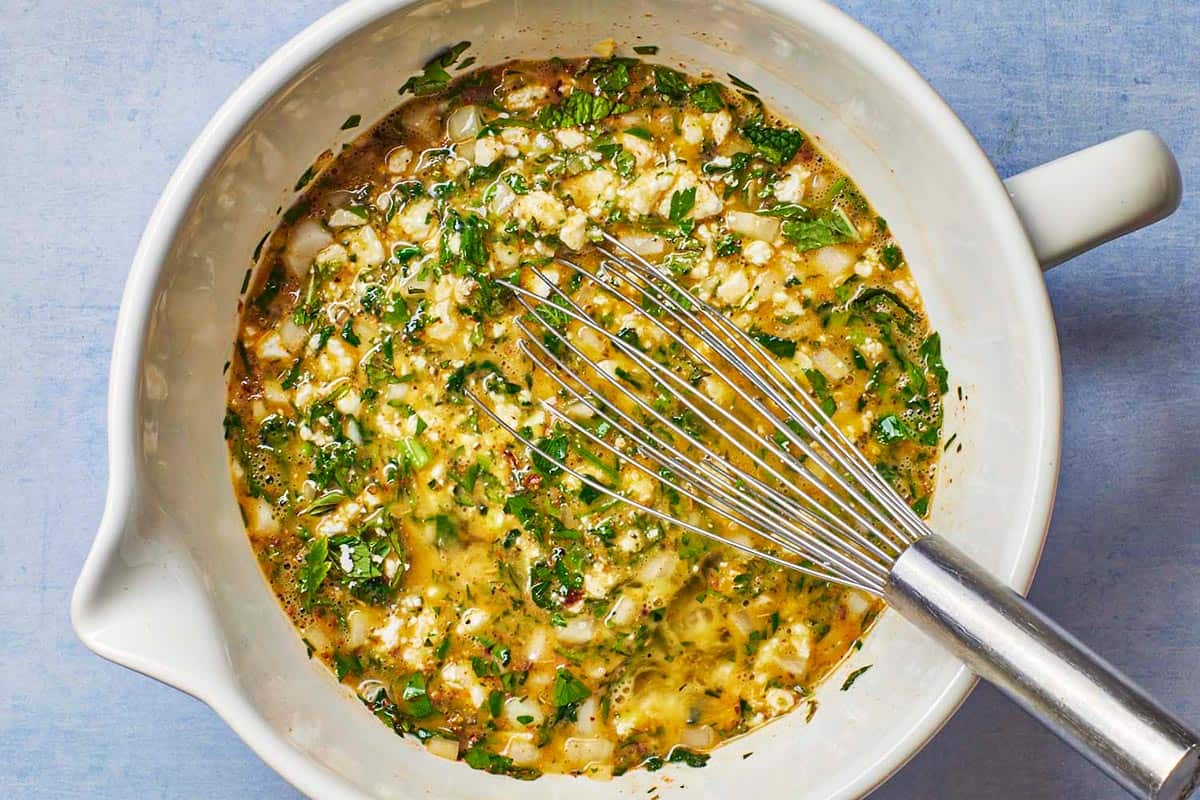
(716, 484)
(785, 503)
(754, 364)
(780, 426)
(584, 478)
(808, 492)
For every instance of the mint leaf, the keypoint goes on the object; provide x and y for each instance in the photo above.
(707, 97)
(776, 145)
(669, 83)
(579, 108)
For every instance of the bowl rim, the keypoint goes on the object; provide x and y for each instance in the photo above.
(285, 64)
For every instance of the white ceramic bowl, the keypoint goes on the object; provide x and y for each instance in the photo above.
(171, 588)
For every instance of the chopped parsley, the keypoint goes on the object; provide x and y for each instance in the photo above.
(434, 76)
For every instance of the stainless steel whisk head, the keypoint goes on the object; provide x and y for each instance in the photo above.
(763, 456)
(805, 488)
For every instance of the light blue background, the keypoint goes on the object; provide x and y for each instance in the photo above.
(98, 102)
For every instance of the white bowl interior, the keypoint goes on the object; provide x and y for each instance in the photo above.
(208, 622)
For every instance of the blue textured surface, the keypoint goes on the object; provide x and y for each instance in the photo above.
(100, 100)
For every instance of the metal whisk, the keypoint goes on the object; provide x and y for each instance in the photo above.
(785, 474)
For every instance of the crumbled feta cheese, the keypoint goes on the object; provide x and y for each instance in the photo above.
(541, 207)
(525, 97)
(570, 138)
(416, 219)
(459, 676)
(472, 620)
(833, 367)
(349, 403)
(791, 188)
(270, 348)
(398, 160)
(757, 252)
(691, 128)
(574, 231)
(487, 150)
(643, 151)
(733, 288)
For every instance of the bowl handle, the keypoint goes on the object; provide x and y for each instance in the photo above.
(1082, 200)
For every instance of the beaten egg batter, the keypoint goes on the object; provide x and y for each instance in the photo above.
(471, 593)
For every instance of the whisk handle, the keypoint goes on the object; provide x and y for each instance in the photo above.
(1049, 673)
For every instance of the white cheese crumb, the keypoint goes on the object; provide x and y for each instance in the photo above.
(757, 252)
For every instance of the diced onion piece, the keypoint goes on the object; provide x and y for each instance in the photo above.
(443, 748)
(463, 123)
(518, 708)
(643, 245)
(857, 603)
(583, 751)
(701, 737)
(741, 622)
(833, 367)
(521, 749)
(623, 612)
(755, 226)
(345, 218)
(834, 260)
(578, 631)
(586, 717)
(538, 647)
(306, 240)
(657, 567)
(358, 625)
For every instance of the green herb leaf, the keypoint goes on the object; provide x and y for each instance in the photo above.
(355, 558)
(682, 202)
(681, 755)
(646, 49)
(305, 178)
(777, 145)
(346, 665)
(567, 689)
(853, 676)
(708, 97)
(352, 121)
(820, 387)
(325, 503)
(414, 697)
(930, 354)
(820, 232)
(783, 348)
(669, 83)
(480, 758)
(415, 454)
(579, 108)
(891, 428)
(556, 448)
(615, 76)
(435, 77)
(741, 84)
(312, 573)
(729, 245)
